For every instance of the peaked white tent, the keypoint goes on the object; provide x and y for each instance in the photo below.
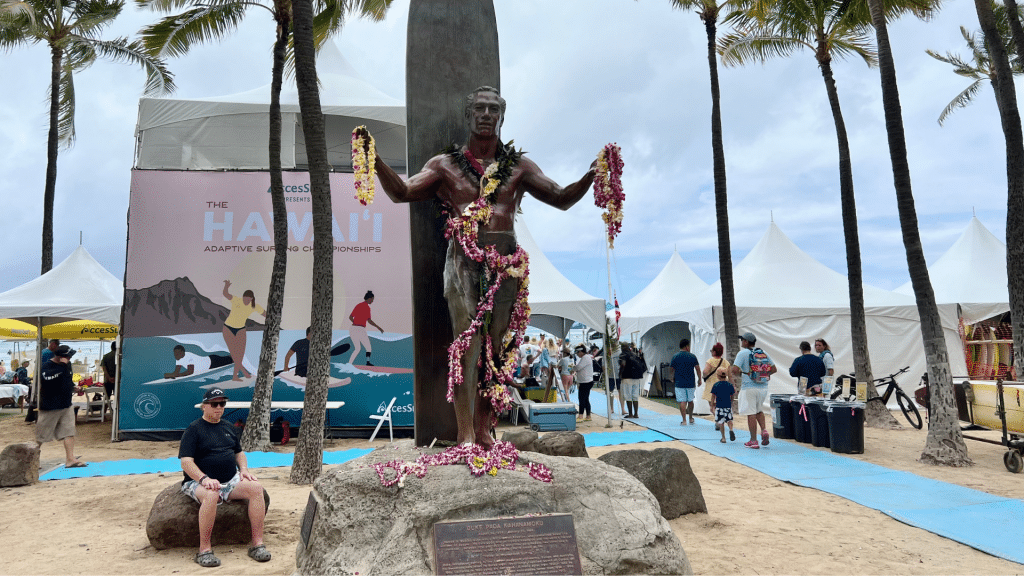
(644, 314)
(783, 296)
(78, 288)
(555, 302)
(231, 132)
(972, 273)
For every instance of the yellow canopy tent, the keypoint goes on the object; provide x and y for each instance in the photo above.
(74, 330)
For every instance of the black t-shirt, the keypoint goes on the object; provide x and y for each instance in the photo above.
(213, 447)
(55, 386)
(301, 349)
(110, 364)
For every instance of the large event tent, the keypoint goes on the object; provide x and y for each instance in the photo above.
(972, 273)
(783, 296)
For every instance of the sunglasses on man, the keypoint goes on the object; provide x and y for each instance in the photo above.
(220, 404)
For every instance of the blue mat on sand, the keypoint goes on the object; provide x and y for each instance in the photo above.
(171, 465)
(619, 438)
(989, 523)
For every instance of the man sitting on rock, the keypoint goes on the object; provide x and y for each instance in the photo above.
(216, 471)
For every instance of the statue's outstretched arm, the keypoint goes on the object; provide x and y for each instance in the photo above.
(548, 191)
(422, 186)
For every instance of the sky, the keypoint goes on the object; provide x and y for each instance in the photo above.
(577, 75)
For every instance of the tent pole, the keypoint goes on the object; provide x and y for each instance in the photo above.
(607, 342)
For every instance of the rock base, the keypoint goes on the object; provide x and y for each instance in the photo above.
(174, 521)
(19, 464)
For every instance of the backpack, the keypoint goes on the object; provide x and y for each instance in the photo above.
(760, 365)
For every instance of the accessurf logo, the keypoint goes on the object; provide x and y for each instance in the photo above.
(147, 405)
(103, 330)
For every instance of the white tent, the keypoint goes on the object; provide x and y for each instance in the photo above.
(784, 296)
(644, 314)
(78, 288)
(972, 273)
(555, 302)
(231, 132)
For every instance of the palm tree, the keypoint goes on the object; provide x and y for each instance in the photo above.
(1009, 116)
(830, 29)
(309, 451)
(1013, 18)
(945, 442)
(709, 11)
(979, 69)
(71, 30)
(212, 20)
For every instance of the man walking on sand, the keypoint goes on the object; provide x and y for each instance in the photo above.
(757, 368)
(687, 377)
(56, 420)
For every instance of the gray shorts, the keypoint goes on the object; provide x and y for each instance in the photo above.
(189, 488)
(55, 424)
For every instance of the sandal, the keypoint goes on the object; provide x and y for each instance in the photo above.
(207, 559)
(259, 553)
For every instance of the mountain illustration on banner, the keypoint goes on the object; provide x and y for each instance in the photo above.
(173, 307)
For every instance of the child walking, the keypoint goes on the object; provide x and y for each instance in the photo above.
(723, 392)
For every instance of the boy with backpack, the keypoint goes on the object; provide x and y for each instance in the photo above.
(756, 367)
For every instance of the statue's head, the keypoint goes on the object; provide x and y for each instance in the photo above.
(485, 111)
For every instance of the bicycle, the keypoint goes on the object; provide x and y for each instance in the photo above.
(906, 403)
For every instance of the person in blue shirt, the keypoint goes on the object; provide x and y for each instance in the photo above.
(808, 365)
(723, 391)
(48, 351)
(687, 377)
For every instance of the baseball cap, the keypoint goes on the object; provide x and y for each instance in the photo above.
(214, 394)
(749, 337)
(64, 351)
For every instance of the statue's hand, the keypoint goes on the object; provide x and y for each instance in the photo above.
(362, 132)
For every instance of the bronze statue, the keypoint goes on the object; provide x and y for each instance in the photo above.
(454, 178)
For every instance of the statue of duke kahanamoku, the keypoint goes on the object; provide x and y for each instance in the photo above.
(480, 185)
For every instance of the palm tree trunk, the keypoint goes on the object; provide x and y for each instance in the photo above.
(1009, 115)
(1013, 16)
(945, 443)
(56, 54)
(309, 451)
(876, 414)
(732, 329)
(257, 433)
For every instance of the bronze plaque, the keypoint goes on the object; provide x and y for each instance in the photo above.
(524, 545)
(307, 519)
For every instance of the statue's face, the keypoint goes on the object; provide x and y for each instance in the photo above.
(485, 115)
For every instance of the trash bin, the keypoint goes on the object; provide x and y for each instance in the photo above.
(846, 427)
(782, 416)
(819, 422)
(801, 419)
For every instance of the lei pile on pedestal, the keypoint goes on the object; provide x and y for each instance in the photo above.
(501, 456)
(362, 166)
(608, 192)
(464, 228)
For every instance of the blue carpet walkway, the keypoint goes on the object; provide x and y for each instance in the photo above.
(992, 524)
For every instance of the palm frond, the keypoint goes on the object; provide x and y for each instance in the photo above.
(738, 48)
(373, 10)
(12, 10)
(89, 17)
(76, 57)
(175, 35)
(159, 80)
(962, 100)
(854, 45)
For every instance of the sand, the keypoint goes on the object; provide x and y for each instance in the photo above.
(754, 525)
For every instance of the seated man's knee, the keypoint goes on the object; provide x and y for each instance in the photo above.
(246, 490)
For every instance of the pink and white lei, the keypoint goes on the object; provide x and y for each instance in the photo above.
(501, 456)
(608, 192)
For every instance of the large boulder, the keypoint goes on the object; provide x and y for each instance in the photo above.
(523, 440)
(667, 474)
(174, 521)
(19, 464)
(361, 527)
(569, 444)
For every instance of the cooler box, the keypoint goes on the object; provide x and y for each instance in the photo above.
(552, 416)
(846, 427)
(801, 419)
(819, 422)
(782, 416)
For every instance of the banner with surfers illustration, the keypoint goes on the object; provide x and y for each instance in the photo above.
(200, 253)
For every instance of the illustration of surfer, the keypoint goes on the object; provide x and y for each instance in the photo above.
(300, 349)
(234, 327)
(187, 363)
(360, 317)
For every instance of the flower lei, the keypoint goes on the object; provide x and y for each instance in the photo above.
(501, 456)
(465, 229)
(608, 192)
(362, 166)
